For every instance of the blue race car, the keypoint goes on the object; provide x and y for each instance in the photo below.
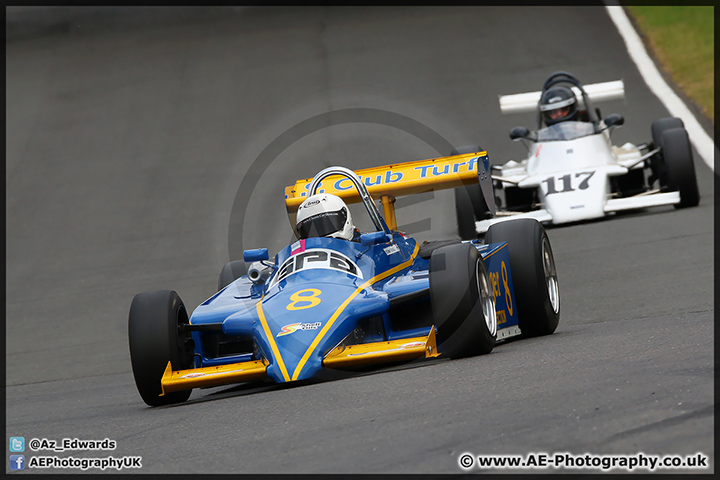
(333, 302)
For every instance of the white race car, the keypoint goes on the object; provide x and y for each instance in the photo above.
(573, 172)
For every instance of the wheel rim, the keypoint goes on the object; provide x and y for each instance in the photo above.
(488, 303)
(550, 275)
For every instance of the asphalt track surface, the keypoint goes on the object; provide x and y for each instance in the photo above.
(126, 148)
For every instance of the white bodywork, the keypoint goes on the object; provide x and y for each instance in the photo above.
(570, 166)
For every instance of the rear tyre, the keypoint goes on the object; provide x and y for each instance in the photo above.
(520, 199)
(462, 302)
(660, 125)
(657, 164)
(155, 340)
(230, 272)
(533, 274)
(469, 204)
(680, 167)
(465, 212)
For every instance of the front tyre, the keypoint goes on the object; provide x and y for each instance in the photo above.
(534, 276)
(156, 338)
(462, 302)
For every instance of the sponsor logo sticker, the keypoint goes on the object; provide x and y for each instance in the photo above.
(391, 249)
(297, 247)
(294, 327)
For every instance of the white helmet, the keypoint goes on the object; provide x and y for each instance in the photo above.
(324, 215)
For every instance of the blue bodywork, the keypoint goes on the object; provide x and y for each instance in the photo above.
(323, 291)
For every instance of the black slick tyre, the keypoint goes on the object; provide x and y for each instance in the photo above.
(469, 205)
(679, 166)
(660, 125)
(230, 272)
(533, 271)
(465, 212)
(462, 303)
(657, 164)
(156, 339)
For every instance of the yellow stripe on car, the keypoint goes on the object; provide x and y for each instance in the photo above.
(271, 339)
(340, 309)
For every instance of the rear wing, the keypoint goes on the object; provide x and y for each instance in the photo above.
(399, 179)
(597, 92)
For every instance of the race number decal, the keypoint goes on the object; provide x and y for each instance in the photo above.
(316, 258)
(581, 179)
(303, 299)
(508, 296)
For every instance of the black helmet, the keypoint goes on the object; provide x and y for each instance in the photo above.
(558, 104)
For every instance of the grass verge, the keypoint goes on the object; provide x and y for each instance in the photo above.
(682, 39)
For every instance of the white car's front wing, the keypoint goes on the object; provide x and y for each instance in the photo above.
(642, 201)
(613, 205)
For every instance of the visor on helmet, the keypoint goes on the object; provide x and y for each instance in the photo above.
(322, 224)
(553, 104)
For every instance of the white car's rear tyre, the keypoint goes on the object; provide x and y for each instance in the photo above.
(657, 164)
(680, 167)
(661, 124)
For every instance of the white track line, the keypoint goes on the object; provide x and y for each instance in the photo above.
(702, 142)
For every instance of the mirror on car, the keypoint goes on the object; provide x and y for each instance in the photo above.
(520, 133)
(255, 255)
(614, 120)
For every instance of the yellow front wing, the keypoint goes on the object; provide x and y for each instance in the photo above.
(211, 376)
(340, 357)
(395, 350)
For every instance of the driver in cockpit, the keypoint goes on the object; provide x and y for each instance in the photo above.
(325, 215)
(558, 104)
